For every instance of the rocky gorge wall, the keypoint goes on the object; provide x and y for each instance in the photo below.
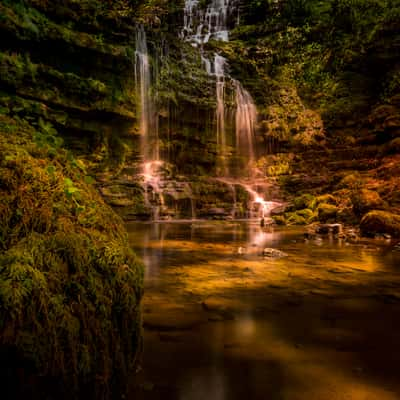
(70, 285)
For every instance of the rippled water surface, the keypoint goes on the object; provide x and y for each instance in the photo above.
(223, 322)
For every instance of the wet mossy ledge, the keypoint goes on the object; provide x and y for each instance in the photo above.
(70, 285)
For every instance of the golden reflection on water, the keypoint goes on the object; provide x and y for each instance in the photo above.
(312, 325)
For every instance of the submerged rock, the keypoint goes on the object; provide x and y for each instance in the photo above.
(273, 253)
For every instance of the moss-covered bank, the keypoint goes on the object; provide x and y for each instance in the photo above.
(70, 285)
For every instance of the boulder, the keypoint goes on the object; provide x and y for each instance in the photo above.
(304, 201)
(365, 200)
(377, 221)
(327, 212)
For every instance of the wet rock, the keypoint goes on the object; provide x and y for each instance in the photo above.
(273, 253)
(326, 229)
(382, 222)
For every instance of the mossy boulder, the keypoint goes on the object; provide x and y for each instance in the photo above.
(294, 218)
(308, 215)
(327, 212)
(365, 200)
(377, 221)
(326, 199)
(70, 285)
(304, 201)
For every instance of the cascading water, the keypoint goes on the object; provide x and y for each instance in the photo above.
(201, 25)
(158, 189)
(149, 146)
(245, 122)
(219, 64)
(148, 124)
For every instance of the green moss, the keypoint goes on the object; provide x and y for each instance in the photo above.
(304, 201)
(376, 222)
(308, 214)
(28, 23)
(295, 219)
(327, 212)
(47, 84)
(365, 200)
(70, 285)
(326, 199)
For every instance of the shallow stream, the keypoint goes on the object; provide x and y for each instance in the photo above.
(222, 322)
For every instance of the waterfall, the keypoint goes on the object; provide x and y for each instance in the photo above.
(214, 22)
(149, 145)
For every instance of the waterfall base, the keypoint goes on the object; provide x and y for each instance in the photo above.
(157, 193)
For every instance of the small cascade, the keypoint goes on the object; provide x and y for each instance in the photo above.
(246, 119)
(259, 207)
(203, 24)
